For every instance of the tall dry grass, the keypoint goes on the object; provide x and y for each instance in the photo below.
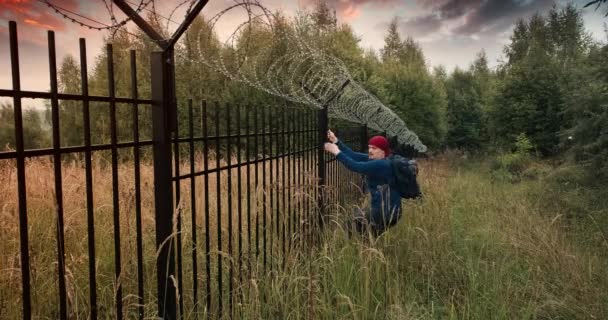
(294, 193)
(473, 248)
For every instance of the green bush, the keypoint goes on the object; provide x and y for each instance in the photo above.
(517, 161)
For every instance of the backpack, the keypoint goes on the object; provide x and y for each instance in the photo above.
(404, 176)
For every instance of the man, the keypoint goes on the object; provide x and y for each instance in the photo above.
(385, 208)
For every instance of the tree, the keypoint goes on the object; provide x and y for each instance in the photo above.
(529, 101)
(416, 98)
(464, 111)
(411, 54)
(70, 112)
(588, 137)
(485, 83)
(7, 127)
(324, 18)
(542, 68)
(35, 131)
(392, 42)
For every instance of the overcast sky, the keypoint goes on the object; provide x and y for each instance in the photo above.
(450, 32)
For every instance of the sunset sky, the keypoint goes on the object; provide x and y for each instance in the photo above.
(451, 32)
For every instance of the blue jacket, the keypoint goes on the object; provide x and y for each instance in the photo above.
(385, 203)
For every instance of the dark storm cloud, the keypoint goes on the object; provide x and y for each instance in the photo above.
(420, 26)
(481, 15)
(455, 8)
(500, 14)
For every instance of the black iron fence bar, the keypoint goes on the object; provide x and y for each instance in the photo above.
(206, 199)
(295, 173)
(315, 190)
(68, 97)
(306, 226)
(322, 125)
(294, 188)
(229, 203)
(337, 186)
(300, 172)
(285, 146)
(58, 177)
(163, 202)
(273, 174)
(137, 178)
(280, 190)
(314, 157)
(313, 174)
(309, 124)
(335, 176)
(287, 189)
(331, 181)
(115, 195)
(329, 194)
(86, 119)
(280, 213)
(239, 192)
(264, 185)
(75, 149)
(219, 211)
(290, 213)
(194, 246)
(256, 179)
(248, 190)
(178, 212)
(18, 118)
(291, 180)
(304, 166)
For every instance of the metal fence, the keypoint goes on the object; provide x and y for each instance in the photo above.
(234, 192)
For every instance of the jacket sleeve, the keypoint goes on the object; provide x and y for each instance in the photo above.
(357, 156)
(364, 167)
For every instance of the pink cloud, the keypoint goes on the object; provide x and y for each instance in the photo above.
(351, 9)
(351, 12)
(34, 13)
(34, 18)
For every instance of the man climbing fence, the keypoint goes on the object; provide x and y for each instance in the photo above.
(385, 208)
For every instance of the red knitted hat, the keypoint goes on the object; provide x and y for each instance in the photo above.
(380, 142)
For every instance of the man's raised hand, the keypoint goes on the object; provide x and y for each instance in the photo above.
(331, 137)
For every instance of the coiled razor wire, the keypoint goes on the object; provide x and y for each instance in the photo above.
(266, 53)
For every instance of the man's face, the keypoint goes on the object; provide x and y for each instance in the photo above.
(375, 153)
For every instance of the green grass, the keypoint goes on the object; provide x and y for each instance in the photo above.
(475, 248)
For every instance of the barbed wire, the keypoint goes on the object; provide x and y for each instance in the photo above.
(285, 61)
(71, 16)
(175, 9)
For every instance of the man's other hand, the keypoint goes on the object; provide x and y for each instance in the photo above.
(332, 148)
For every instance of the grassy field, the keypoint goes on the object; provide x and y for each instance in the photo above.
(476, 247)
